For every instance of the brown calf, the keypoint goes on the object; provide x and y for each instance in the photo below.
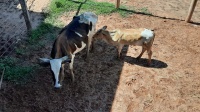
(120, 37)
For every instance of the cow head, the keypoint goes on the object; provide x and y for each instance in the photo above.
(55, 67)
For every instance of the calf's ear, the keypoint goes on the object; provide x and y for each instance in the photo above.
(104, 27)
(100, 30)
(44, 62)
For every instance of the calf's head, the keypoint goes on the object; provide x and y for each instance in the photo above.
(104, 34)
(55, 67)
(101, 33)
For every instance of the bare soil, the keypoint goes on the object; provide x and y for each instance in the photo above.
(170, 84)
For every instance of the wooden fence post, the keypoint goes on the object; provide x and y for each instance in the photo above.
(191, 10)
(26, 15)
(117, 4)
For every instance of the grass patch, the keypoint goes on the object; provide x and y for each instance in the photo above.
(15, 72)
(145, 11)
(57, 7)
(41, 30)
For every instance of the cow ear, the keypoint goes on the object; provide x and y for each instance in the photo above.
(90, 27)
(44, 62)
(104, 27)
(65, 59)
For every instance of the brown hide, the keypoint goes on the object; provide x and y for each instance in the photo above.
(68, 38)
(63, 46)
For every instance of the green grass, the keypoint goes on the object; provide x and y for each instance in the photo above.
(14, 72)
(57, 7)
(145, 11)
(36, 34)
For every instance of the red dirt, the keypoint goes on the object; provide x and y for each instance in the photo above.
(171, 84)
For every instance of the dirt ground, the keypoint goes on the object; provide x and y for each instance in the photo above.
(170, 84)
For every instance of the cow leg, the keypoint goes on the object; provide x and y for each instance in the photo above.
(149, 55)
(88, 47)
(119, 48)
(89, 43)
(71, 66)
(143, 50)
(62, 73)
(92, 46)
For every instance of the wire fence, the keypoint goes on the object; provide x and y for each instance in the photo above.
(6, 46)
(12, 24)
(12, 27)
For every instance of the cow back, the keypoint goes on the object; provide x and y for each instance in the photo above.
(72, 34)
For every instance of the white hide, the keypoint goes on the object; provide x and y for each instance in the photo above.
(55, 67)
(148, 34)
(46, 60)
(88, 17)
(72, 62)
(76, 51)
(79, 34)
(79, 49)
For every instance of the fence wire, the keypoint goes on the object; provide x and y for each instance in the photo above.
(12, 24)
(12, 27)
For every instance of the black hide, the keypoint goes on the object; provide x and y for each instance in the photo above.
(67, 37)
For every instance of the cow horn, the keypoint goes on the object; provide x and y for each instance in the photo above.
(44, 62)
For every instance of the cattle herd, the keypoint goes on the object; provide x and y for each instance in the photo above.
(79, 33)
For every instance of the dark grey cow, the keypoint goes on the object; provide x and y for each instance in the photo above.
(71, 39)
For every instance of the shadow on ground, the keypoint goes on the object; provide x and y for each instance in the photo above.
(143, 62)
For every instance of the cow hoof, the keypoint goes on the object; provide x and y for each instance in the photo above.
(73, 80)
(87, 59)
(57, 86)
(120, 58)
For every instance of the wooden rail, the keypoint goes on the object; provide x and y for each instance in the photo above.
(191, 10)
(26, 15)
(117, 4)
